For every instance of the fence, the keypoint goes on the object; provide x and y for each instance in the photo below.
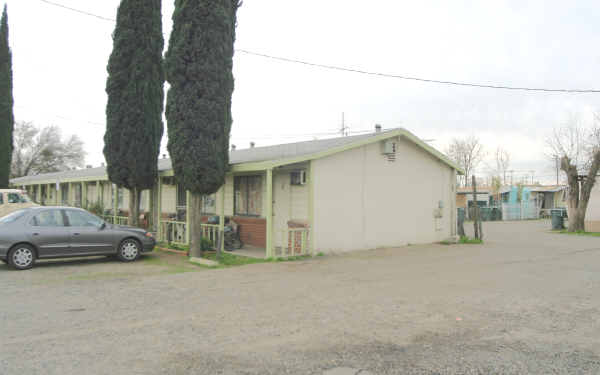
(294, 242)
(520, 211)
(120, 220)
(176, 232)
(173, 232)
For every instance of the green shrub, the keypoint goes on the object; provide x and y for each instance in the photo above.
(96, 208)
(206, 244)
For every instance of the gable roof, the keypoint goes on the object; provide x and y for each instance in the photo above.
(259, 158)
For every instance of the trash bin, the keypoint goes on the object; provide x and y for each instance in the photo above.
(486, 213)
(557, 219)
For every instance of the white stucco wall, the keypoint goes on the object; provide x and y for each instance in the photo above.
(592, 215)
(364, 201)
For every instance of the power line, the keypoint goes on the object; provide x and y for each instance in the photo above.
(366, 72)
(386, 75)
(78, 11)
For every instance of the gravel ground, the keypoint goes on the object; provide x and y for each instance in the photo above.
(525, 302)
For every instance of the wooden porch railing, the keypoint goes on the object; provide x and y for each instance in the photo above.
(176, 232)
(294, 242)
(120, 220)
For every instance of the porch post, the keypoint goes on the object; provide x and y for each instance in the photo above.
(39, 194)
(269, 213)
(70, 195)
(311, 207)
(222, 218)
(84, 195)
(115, 202)
(187, 217)
(98, 192)
(159, 209)
(58, 192)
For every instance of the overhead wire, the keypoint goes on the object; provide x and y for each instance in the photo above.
(365, 72)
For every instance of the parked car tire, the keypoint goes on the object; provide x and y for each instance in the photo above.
(129, 250)
(21, 257)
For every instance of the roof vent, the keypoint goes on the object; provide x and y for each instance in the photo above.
(252, 144)
(164, 156)
(232, 147)
(377, 128)
(102, 164)
(88, 166)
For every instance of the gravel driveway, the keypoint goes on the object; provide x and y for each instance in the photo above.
(525, 302)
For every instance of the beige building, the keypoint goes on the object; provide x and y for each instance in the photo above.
(383, 189)
(592, 215)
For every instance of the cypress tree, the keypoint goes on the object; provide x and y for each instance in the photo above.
(7, 120)
(134, 126)
(199, 66)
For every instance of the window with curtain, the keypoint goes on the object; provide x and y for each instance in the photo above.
(248, 195)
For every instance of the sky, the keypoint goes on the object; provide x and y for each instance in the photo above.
(60, 58)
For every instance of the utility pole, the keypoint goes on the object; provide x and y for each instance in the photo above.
(532, 173)
(557, 169)
(344, 128)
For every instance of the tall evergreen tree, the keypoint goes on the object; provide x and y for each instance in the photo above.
(134, 126)
(7, 119)
(199, 66)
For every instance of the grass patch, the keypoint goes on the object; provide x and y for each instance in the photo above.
(577, 233)
(468, 240)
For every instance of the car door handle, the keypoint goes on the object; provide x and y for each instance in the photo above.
(36, 234)
(76, 234)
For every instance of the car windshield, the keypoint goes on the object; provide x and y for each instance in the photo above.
(11, 218)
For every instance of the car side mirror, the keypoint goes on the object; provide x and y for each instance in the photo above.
(103, 226)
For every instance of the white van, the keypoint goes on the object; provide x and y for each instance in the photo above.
(12, 200)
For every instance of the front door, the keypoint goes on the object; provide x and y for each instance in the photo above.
(49, 233)
(88, 235)
(281, 208)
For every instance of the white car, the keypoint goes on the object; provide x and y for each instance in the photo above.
(12, 200)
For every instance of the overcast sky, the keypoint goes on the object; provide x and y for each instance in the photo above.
(60, 57)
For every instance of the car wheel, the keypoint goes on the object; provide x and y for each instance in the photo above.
(21, 257)
(129, 250)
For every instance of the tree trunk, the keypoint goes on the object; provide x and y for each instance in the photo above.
(579, 196)
(134, 207)
(475, 209)
(194, 226)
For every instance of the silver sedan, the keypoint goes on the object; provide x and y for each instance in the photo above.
(66, 232)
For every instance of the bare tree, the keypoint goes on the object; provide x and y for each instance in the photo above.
(502, 163)
(467, 153)
(578, 149)
(43, 150)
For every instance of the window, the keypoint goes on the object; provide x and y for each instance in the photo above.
(181, 197)
(1, 198)
(83, 219)
(209, 204)
(15, 198)
(11, 218)
(49, 218)
(248, 195)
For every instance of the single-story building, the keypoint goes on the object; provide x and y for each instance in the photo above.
(382, 189)
(592, 214)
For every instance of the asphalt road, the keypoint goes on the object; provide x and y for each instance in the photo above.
(525, 302)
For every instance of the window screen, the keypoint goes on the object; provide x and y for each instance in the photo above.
(248, 195)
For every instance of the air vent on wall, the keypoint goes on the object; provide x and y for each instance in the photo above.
(298, 177)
